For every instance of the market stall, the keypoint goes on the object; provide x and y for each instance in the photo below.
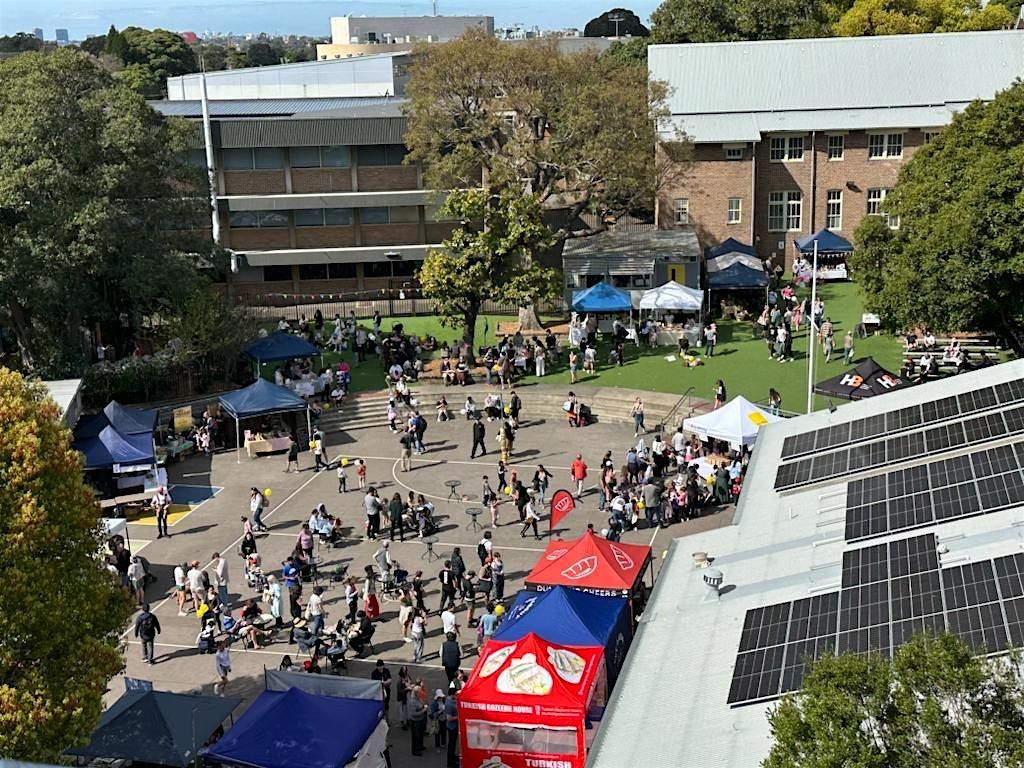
(527, 703)
(601, 299)
(735, 423)
(866, 379)
(570, 617)
(833, 250)
(260, 399)
(278, 346)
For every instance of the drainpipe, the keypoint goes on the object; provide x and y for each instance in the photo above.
(211, 173)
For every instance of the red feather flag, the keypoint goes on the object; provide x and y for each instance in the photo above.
(562, 503)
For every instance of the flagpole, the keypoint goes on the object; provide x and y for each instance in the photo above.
(810, 333)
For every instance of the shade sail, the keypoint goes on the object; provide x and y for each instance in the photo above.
(260, 398)
(294, 729)
(280, 346)
(601, 298)
(157, 727)
(737, 422)
(110, 447)
(672, 295)
(570, 617)
(591, 563)
(828, 242)
(866, 379)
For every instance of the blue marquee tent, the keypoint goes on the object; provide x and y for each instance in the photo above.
(110, 447)
(571, 617)
(602, 298)
(735, 266)
(828, 242)
(294, 729)
(260, 399)
(127, 421)
(732, 245)
(280, 346)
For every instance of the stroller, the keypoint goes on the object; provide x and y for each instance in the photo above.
(254, 575)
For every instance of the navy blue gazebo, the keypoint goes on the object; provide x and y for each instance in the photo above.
(828, 242)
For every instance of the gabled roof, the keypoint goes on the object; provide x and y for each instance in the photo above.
(591, 562)
(260, 398)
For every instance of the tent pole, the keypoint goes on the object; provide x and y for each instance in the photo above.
(238, 442)
(309, 423)
(811, 330)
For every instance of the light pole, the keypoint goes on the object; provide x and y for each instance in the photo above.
(615, 19)
(810, 332)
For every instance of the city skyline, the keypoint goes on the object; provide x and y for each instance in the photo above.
(304, 17)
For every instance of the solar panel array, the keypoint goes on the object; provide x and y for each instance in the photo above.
(889, 593)
(930, 412)
(936, 492)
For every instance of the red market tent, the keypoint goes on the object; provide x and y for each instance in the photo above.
(593, 564)
(526, 702)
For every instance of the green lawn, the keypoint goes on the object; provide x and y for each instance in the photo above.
(741, 361)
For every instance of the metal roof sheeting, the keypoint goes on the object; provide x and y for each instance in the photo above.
(270, 107)
(662, 242)
(322, 132)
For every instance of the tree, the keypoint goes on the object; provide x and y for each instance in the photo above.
(152, 56)
(708, 21)
(490, 256)
(904, 17)
(632, 51)
(96, 45)
(606, 26)
(262, 54)
(956, 262)
(60, 611)
(933, 704)
(19, 43)
(116, 43)
(575, 130)
(95, 214)
(694, 21)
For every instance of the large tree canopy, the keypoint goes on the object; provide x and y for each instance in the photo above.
(95, 208)
(957, 261)
(151, 56)
(903, 17)
(60, 611)
(933, 704)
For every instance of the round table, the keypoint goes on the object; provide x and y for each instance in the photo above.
(474, 513)
(453, 493)
(429, 552)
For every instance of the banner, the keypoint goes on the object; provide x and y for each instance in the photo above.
(562, 503)
(183, 419)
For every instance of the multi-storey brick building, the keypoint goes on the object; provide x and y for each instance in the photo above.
(793, 136)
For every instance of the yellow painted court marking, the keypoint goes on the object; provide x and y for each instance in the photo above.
(178, 512)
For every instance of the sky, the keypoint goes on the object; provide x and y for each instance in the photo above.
(306, 17)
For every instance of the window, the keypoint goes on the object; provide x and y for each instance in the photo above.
(196, 158)
(505, 737)
(338, 217)
(735, 211)
(786, 149)
(405, 268)
(834, 209)
(734, 153)
(273, 219)
(243, 219)
(277, 272)
(377, 269)
(382, 154)
(929, 135)
(237, 159)
(836, 147)
(875, 198)
(268, 158)
(404, 214)
(882, 145)
(320, 157)
(304, 157)
(341, 271)
(682, 210)
(312, 271)
(784, 211)
(309, 217)
(374, 216)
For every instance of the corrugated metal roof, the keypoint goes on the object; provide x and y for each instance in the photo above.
(339, 106)
(322, 132)
(837, 73)
(651, 243)
(751, 126)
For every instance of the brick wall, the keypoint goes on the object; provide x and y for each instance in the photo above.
(341, 285)
(277, 286)
(254, 182)
(390, 234)
(325, 237)
(439, 231)
(388, 177)
(258, 239)
(306, 180)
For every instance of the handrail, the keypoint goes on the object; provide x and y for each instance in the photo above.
(687, 398)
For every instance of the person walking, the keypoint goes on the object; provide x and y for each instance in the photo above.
(137, 580)
(848, 347)
(451, 714)
(372, 505)
(637, 412)
(147, 627)
(407, 440)
(162, 504)
(446, 579)
(222, 663)
(541, 479)
(418, 634)
(439, 723)
(574, 360)
(530, 520)
(774, 401)
(451, 656)
(395, 510)
(498, 576)
(293, 454)
(180, 585)
(479, 433)
(315, 611)
(719, 394)
(578, 474)
(515, 407)
(220, 578)
(257, 503)
(710, 338)
(417, 718)
(342, 479)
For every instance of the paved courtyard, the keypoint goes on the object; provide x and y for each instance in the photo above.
(214, 526)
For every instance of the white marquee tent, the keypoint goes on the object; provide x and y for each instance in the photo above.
(672, 295)
(737, 422)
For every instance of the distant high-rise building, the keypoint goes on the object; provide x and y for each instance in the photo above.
(37, 33)
(62, 37)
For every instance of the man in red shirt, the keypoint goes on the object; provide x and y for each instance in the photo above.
(578, 472)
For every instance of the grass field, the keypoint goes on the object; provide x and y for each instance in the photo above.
(741, 361)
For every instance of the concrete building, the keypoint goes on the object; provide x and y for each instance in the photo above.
(61, 36)
(362, 35)
(792, 136)
(854, 531)
(37, 33)
(366, 76)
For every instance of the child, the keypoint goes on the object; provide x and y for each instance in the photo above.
(361, 473)
(501, 477)
(442, 410)
(342, 479)
(392, 416)
(492, 504)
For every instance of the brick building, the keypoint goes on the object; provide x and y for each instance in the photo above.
(793, 136)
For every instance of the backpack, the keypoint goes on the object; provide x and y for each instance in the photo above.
(264, 501)
(147, 626)
(481, 550)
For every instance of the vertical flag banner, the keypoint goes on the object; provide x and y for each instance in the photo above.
(562, 503)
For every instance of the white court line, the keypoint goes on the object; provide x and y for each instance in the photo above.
(422, 458)
(415, 540)
(230, 547)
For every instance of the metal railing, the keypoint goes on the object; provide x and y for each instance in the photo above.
(670, 419)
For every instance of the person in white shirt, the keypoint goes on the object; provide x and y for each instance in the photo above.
(448, 623)
(179, 587)
(678, 441)
(162, 504)
(315, 611)
(137, 579)
(195, 584)
(540, 361)
(220, 578)
(382, 557)
(222, 662)
(530, 520)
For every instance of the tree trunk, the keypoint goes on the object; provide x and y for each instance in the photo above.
(23, 330)
(469, 324)
(528, 319)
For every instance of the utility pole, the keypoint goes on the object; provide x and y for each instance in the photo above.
(615, 19)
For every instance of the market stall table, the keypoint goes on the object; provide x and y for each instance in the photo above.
(257, 445)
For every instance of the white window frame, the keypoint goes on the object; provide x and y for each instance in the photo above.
(836, 147)
(834, 209)
(786, 149)
(733, 153)
(734, 213)
(930, 133)
(681, 211)
(875, 197)
(885, 146)
(788, 213)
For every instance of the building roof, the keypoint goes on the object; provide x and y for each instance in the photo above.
(732, 81)
(352, 106)
(655, 242)
(789, 546)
